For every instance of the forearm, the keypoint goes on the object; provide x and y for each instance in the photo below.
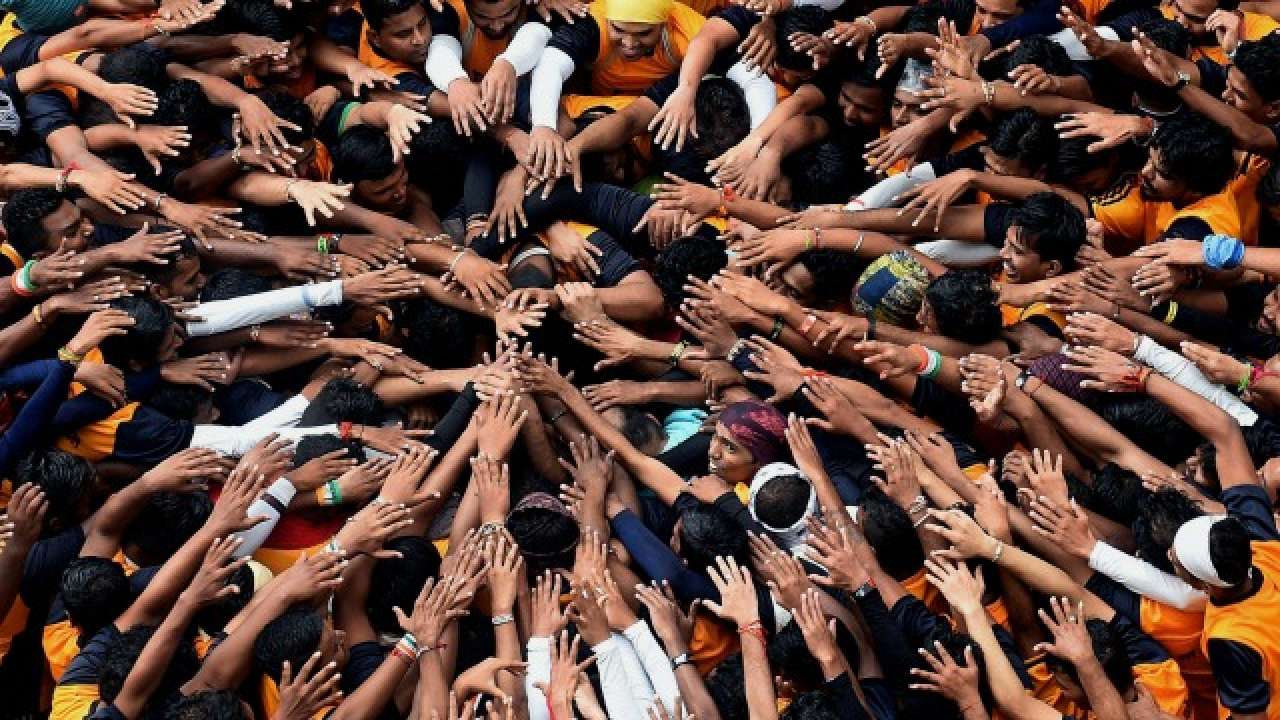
(546, 84)
(1104, 699)
(207, 177)
(1144, 578)
(798, 132)
(229, 663)
(632, 302)
(107, 526)
(12, 559)
(1248, 135)
(653, 474)
(1007, 98)
(1182, 371)
(261, 188)
(150, 667)
(758, 679)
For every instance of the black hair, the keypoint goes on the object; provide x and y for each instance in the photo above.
(1024, 136)
(184, 103)
(720, 109)
(1269, 188)
(313, 446)
(438, 156)
(396, 582)
(213, 618)
(890, 533)
(833, 271)
(346, 400)
(809, 19)
(95, 591)
(233, 282)
(1195, 151)
(1039, 50)
(790, 657)
(547, 539)
(862, 72)
(208, 705)
(1167, 34)
(812, 705)
(965, 306)
(1151, 425)
(362, 153)
(1262, 439)
(782, 500)
(123, 652)
(1072, 159)
(1230, 551)
(65, 479)
(138, 64)
(1117, 493)
(290, 109)
(707, 532)
(377, 12)
(166, 522)
(696, 255)
(152, 319)
(162, 274)
(1052, 227)
(264, 18)
(180, 402)
(640, 428)
(1259, 61)
(292, 637)
(437, 335)
(1109, 649)
(23, 215)
(726, 684)
(821, 174)
(923, 18)
(1159, 516)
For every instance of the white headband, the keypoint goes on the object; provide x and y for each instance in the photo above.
(798, 531)
(1191, 547)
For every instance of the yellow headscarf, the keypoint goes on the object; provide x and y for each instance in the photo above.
(652, 12)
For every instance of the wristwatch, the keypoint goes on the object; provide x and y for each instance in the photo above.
(681, 659)
(1022, 378)
(1184, 79)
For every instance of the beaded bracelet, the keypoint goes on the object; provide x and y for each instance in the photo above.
(677, 352)
(68, 356)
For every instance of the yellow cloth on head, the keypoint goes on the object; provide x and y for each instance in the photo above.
(638, 11)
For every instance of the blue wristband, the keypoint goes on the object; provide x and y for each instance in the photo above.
(1223, 252)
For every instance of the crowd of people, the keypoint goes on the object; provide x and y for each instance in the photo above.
(639, 359)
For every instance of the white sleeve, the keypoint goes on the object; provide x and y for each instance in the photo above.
(526, 47)
(828, 5)
(238, 440)
(444, 61)
(883, 193)
(283, 491)
(627, 693)
(286, 414)
(221, 316)
(1075, 49)
(760, 93)
(656, 664)
(1144, 578)
(1184, 372)
(538, 655)
(554, 68)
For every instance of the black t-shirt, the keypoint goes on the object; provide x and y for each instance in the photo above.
(580, 41)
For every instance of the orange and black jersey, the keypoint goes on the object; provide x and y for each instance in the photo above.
(587, 43)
